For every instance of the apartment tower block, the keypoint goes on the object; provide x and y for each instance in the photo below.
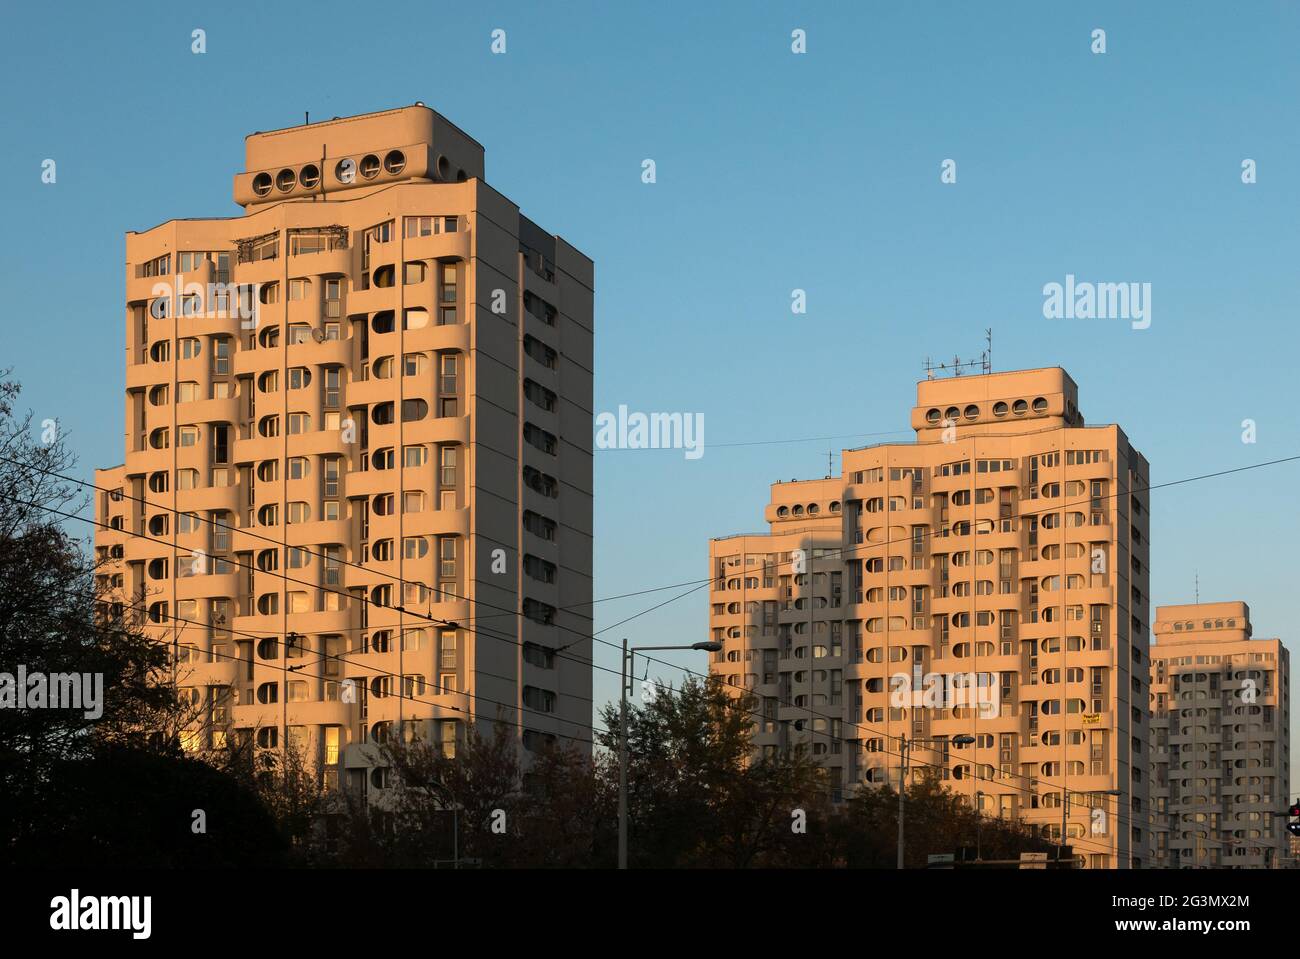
(987, 580)
(357, 489)
(1220, 740)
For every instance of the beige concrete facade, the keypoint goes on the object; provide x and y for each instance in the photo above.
(1008, 547)
(1220, 738)
(403, 430)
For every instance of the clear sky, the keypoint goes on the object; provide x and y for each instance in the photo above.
(775, 172)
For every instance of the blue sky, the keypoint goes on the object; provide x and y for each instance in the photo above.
(775, 171)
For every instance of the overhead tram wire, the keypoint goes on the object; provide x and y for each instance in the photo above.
(693, 582)
(322, 658)
(704, 582)
(858, 726)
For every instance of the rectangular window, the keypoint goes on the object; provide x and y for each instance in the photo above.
(447, 557)
(333, 377)
(221, 356)
(447, 297)
(330, 476)
(447, 657)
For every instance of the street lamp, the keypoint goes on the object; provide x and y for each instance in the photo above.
(1065, 810)
(627, 670)
(904, 743)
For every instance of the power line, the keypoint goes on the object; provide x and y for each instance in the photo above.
(380, 672)
(285, 669)
(701, 583)
(686, 670)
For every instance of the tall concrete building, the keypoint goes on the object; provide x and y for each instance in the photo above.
(360, 413)
(987, 580)
(1220, 739)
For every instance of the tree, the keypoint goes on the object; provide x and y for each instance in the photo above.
(52, 622)
(937, 821)
(442, 807)
(697, 793)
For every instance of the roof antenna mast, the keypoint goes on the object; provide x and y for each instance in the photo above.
(958, 366)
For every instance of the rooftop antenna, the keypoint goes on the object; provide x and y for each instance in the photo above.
(1198, 587)
(958, 366)
(306, 118)
(830, 463)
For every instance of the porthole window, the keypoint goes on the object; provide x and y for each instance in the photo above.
(999, 409)
(972, 411)
(1019, 407)
(1040, 405)
(395, 162)
(951, 413)
(369, 166)
(262, 184)
(309, 176)
(345, 171)
(933, 416)
(813, 509)
(783, 511)
(444, 168)
(286, 180)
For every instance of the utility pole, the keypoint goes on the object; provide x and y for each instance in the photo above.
(622, 762)
(290, 639)
(625, 679)
(902, 793)
(904, 746)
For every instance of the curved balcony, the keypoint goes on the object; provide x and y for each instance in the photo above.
(458, 245)
(222, 672)
(212, 411)
(318, 532)
(439, 429)
(371, 482)
(323, 263)
(325, 353)
(257, 448)
(261, 271)
(250, 362)
(374, 299)
(453, 336)
(199, 587)
(371, 391)
(437, 523)
(321, 713)
(318, 443)
(208, 498)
